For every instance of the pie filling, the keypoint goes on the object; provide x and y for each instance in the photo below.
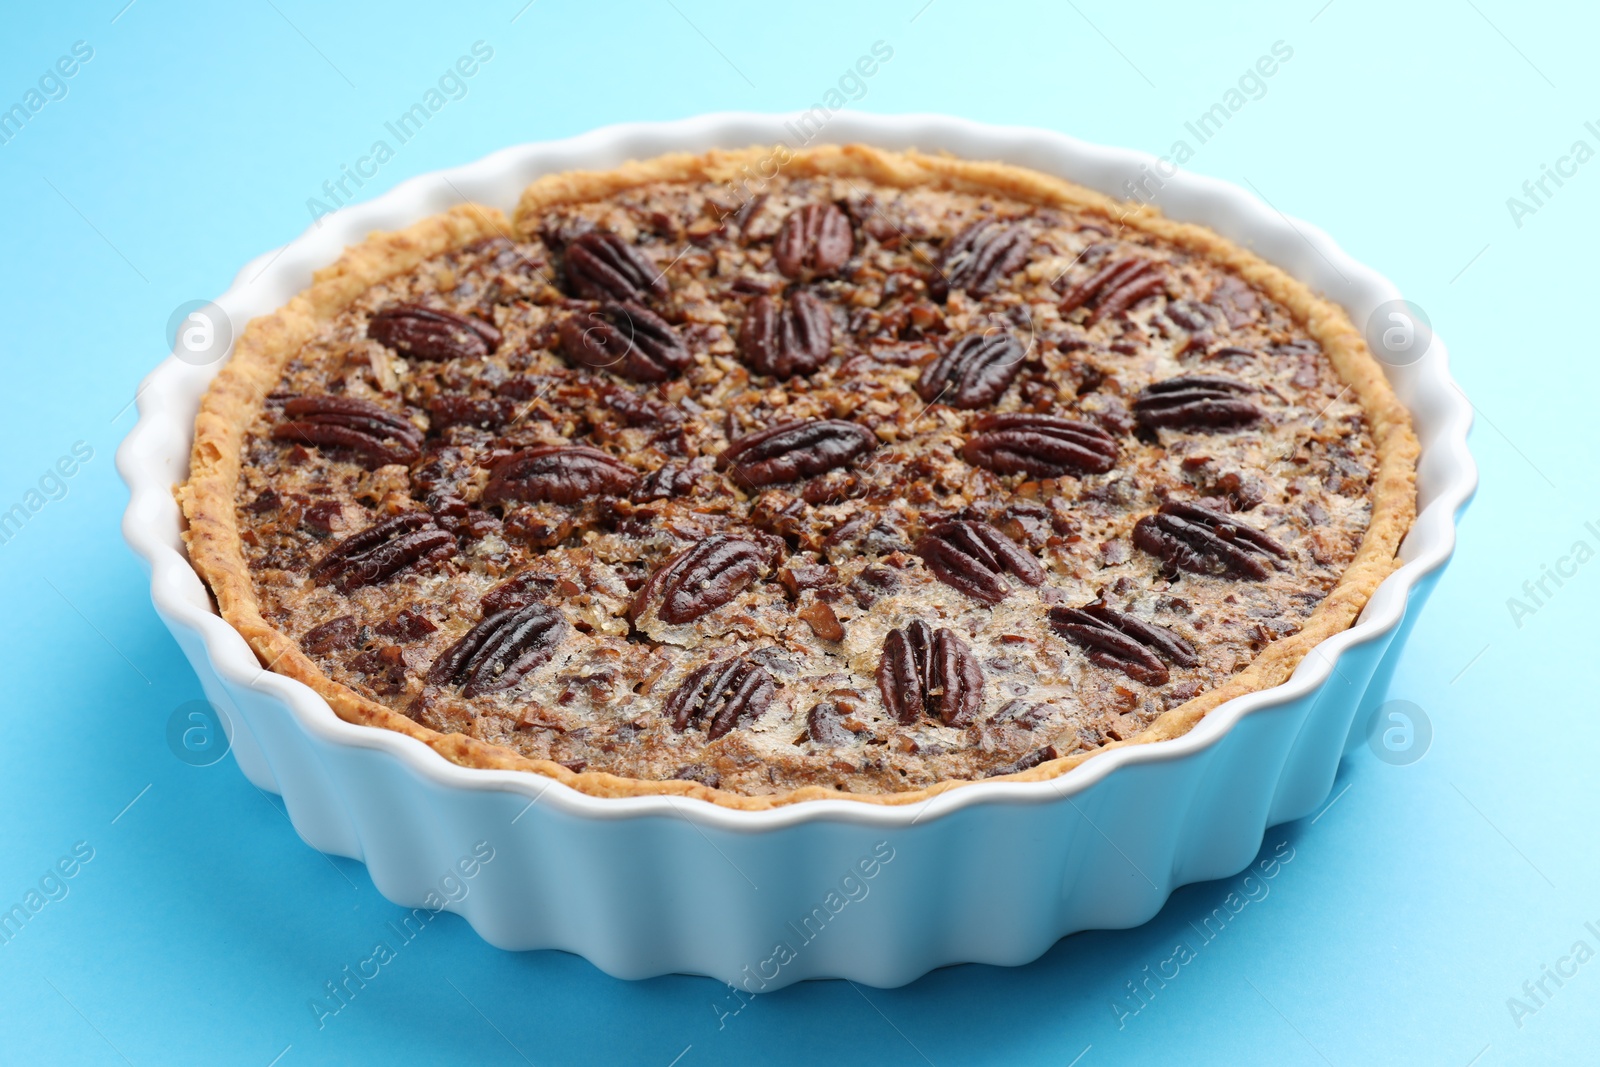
(843, 485)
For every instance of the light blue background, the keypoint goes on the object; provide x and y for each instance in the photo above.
(1415, 905)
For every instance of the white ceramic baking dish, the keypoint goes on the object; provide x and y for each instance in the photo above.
(992, 872)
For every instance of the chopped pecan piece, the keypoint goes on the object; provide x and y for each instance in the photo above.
(500, 650)
(1238, 302)
(860, 534)
(978, 258)
(454, 514)
(1022, 714)
(974, 371)
(558, 474)
(1190, 316)
(794, 450)
(637, 410)
(1031, 760)
(1114, 288)
(823, 622)
(872, 583)
(539, 525)
(814, 242)
(1245, 491)
(695, 772)
(825, 725)
(1231, 352)
(798, 576)
(384, 667)
(723, 693)
(603, 266)
(777, 512)
(704, 578)
(1196, 320)
(1196, 401)
(832, 487)
(667, 482)
(265, 501)
(517, 592)
(627, 339)
(490, 413)
(335, 635)
(430, 334)
(375, 435)
(383, 550)
(786, 339)
(406, 625)
(1188, 537)
(1141, 650)
(974, 559)
(1042, 446)
(322, 517)
(927, 672)
(559, 228)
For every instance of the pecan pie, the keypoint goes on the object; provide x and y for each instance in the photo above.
(887, 473)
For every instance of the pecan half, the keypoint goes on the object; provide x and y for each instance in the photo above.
(974, 371)
(375, 435)
(383, 550)
(723, 693)
(786, 339)
(557, 474)
(703, 578)
(1114, 288)
(979, 257)
(794, 450)
(625, 338)
(1196, 401)
(500, 650)
(428, 333)
(814, 241)
(1188, 537)
(1141, 650)
(1042, 446)
(603, 266)
(923, 671)
(974, 559)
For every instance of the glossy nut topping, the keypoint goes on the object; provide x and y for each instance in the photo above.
(821, 482)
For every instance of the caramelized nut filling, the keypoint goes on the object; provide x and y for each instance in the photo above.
(849, 485)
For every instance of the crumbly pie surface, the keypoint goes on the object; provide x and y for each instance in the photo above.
(883, 474)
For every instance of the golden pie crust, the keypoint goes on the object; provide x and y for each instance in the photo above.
(208, 498)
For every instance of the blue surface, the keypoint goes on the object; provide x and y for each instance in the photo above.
(1413, 907)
